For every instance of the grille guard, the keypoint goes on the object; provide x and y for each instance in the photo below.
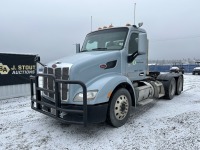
(37, 103)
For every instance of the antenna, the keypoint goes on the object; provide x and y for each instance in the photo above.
(134, 12)
(91, 23)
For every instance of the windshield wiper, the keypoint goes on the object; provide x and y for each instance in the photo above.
(99, 49)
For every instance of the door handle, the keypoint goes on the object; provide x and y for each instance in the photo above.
(141, 74)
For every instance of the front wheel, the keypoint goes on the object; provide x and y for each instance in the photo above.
(119, 108)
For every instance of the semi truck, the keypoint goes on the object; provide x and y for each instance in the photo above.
(103, 81)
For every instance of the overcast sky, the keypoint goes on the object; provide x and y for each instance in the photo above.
(50, 28)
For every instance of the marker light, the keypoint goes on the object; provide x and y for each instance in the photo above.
(110, 26)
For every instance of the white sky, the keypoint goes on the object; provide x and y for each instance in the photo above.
(51, 27)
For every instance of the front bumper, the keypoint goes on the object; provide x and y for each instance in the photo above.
(70, 114)
(95, 113)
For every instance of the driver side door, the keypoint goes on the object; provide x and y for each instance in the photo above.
(137, 68)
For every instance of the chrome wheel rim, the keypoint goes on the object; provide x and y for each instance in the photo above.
(121, 107)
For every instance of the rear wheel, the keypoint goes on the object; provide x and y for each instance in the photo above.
(119, 108)
(179, 85)
(170, 88)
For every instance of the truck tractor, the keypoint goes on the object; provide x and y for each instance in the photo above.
(102, 82)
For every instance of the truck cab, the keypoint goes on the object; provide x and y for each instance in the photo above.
(106, 77)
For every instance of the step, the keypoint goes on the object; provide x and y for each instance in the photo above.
(144, 102)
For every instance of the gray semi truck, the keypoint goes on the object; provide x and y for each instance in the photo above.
(103, 80)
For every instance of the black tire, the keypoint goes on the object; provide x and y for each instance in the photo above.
(119, 108)
(193, 73)
(170, 88)
(179, 85)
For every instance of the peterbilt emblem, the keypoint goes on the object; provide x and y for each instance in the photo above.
(54, 66)
(103, 66)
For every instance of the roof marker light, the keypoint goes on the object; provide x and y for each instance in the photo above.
(110, 26)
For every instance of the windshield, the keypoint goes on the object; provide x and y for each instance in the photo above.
(109, 39)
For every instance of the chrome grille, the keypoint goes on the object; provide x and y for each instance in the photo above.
(48, 83)
(64, 86)
(45, 80)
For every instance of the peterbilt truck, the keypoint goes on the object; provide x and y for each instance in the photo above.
(103, 80)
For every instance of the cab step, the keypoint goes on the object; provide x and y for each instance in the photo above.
(144, 102)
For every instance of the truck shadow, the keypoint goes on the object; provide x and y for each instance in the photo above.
(92, 129)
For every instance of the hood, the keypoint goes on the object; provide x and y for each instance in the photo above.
(83, 57)
(86, 66)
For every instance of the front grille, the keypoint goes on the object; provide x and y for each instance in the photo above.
(48, 83)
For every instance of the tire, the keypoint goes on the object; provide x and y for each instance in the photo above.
(179, 85)
(170, 88)
(119, 108)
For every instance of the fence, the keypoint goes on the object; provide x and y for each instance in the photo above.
(165, 68)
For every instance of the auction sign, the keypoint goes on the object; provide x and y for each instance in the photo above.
(16, 68)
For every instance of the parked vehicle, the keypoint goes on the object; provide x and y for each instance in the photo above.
(196, 70)
(103, 80)
(177, 67)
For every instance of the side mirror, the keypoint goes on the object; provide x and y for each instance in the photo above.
(78, 48)
(37, 60)
(140, 24)
(142, 44)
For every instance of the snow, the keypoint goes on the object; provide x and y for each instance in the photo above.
(197, 68)
(174, 68)
(161, 124)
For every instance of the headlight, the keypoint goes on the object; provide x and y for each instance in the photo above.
(90, 96)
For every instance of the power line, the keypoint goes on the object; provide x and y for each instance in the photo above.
(180, 38)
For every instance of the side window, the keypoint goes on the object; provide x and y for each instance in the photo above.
(133, 43)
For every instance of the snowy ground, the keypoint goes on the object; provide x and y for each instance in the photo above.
(160, 125)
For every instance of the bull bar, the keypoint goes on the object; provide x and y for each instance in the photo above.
(57, 106)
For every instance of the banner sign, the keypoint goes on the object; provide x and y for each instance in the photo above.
(16, 68)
